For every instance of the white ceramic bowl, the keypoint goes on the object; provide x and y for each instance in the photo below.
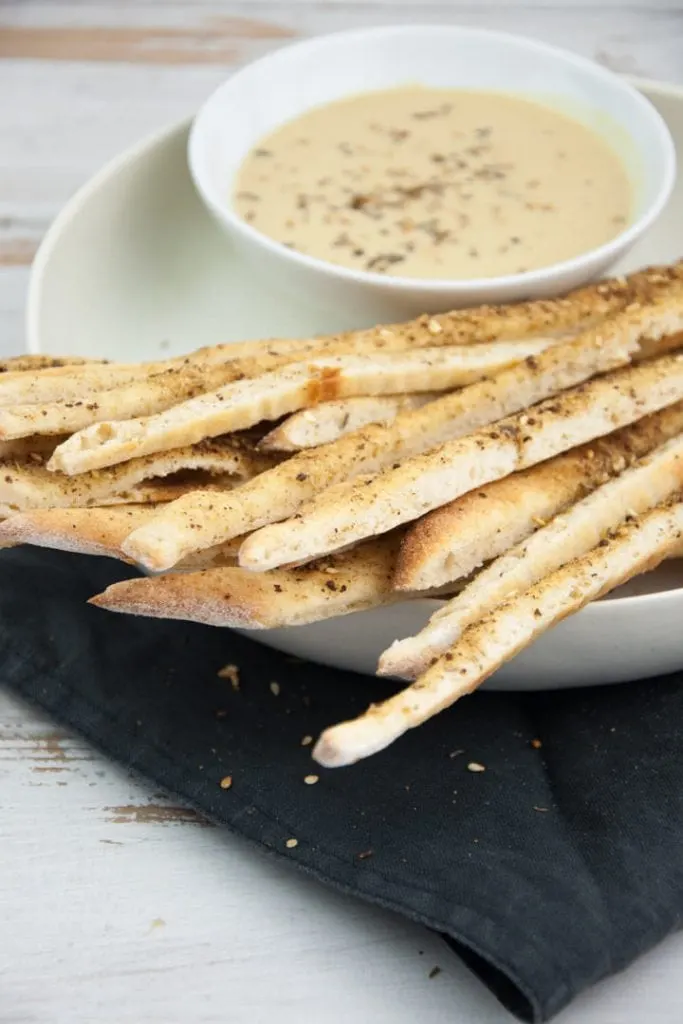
(286, 83)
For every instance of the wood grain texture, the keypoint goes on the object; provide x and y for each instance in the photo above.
(213, 42)
(118, 905)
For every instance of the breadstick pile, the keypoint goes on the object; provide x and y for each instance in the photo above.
(522, 460)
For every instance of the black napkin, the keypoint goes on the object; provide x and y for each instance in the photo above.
(553, 868)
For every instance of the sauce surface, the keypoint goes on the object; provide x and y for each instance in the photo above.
(418, 182)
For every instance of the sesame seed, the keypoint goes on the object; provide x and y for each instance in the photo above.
(274, 688)
(311, 780)
(306, 741)
(232, 673)
(291, 843)
(226, 782)
(434, 327)
(474, 766)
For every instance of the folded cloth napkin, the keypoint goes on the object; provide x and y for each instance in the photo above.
(552, 868)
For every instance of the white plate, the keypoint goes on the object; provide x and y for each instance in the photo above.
(133, 268)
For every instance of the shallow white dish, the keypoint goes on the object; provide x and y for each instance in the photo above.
(278, 88)
(134, 268)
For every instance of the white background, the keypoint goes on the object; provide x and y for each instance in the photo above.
(115, 905)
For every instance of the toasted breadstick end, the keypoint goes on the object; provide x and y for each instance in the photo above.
(483, 648)
(459, 537)
(351, 581)
(37, 448)
(96, 531)
(25, 485)
(198, 520)
(141, 396)
(243, 403)
(150, 492)
(428, 481)
(648, 483)
(92, 531)
(65, 383)
(329, 421)
(27, 362)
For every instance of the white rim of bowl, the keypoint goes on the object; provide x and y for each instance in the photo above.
(471, 286)
(134, 152)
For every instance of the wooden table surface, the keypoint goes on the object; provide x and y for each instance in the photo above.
(115, 904)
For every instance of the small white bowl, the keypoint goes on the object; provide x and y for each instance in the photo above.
(291, 80)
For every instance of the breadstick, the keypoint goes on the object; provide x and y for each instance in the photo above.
(648, 483)
(349, 582)
(198, 520)
(398, 496)
(454, 540)
(96, 531)
(29, 484)
(483, 648)
(329, 421)
(243, 403)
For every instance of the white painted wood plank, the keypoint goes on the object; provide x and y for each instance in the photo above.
(235, 32)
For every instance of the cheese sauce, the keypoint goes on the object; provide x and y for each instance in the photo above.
(418, 182)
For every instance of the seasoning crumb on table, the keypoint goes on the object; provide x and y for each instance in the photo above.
(232, 673)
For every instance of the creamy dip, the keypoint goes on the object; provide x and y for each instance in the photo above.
(418, 182)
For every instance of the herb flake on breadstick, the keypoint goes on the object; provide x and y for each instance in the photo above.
(638, 547)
